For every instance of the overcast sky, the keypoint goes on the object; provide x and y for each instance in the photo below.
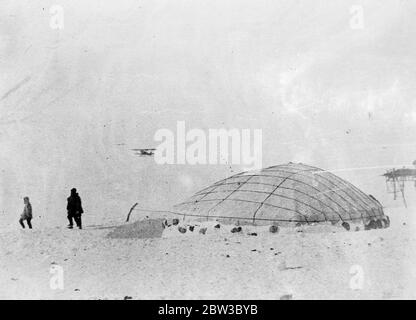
(324, 90)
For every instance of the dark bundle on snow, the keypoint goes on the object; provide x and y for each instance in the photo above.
(386, 222)
(378, 223)
(181, 229)
(346, 226)
(274, 229)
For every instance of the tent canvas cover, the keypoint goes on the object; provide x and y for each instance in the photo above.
(283, 194)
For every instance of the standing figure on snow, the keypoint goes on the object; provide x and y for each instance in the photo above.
(26, 214)
(74, 209)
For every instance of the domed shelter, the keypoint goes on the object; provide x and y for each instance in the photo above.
(285, 194)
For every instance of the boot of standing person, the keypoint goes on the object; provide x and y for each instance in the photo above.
(78, 220)
(71, 222)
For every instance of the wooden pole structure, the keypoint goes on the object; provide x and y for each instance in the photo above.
(131, 209)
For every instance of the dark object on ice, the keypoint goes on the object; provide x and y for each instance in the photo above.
(371, 225)
(252, 234)
(26, 214)
(191, 228)
(346, 226)
(386, 222)
(274, 229)
(286, 297)
(131, 209)
(202, 230)
(236, 229)
(175, 222)
(127, 298)
(217, 226)
(227, 255)
(144, 151)
(181, 229)
(74, 208)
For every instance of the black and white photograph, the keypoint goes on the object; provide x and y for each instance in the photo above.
(226, 150)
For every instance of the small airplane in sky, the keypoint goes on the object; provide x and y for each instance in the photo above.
(144, 152)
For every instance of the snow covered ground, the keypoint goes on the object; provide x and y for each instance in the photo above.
(376, 264)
